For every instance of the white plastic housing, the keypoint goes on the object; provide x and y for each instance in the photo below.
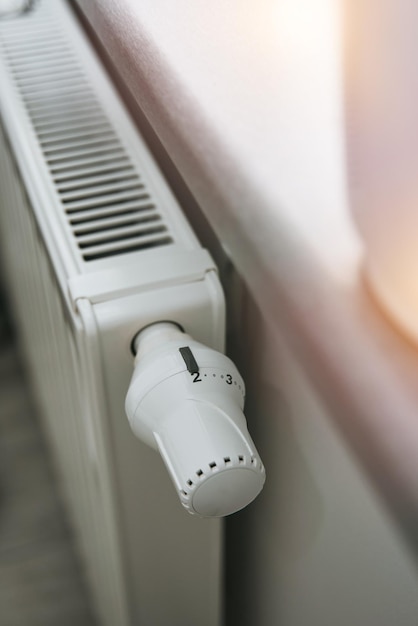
(193, 416)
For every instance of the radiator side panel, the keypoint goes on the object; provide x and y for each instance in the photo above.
(54, 344)
(182, 581)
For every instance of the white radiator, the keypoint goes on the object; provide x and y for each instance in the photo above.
(95, 248)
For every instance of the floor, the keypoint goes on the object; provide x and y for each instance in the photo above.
(41, 581)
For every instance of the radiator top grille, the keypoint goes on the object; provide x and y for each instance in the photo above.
(105, 199)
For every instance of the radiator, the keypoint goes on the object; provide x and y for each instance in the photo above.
(94, 248)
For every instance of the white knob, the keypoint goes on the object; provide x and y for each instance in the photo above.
(186, 401)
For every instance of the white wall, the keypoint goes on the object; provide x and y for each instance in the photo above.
(317, 547)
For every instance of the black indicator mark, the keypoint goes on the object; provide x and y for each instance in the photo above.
(191, 364)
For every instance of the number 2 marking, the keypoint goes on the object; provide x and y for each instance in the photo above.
(196, 378)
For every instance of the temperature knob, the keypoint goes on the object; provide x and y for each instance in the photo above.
(186, 401)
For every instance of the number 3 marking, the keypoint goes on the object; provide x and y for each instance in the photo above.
(228, 379)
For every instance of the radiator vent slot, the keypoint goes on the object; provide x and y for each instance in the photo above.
(107, 204)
